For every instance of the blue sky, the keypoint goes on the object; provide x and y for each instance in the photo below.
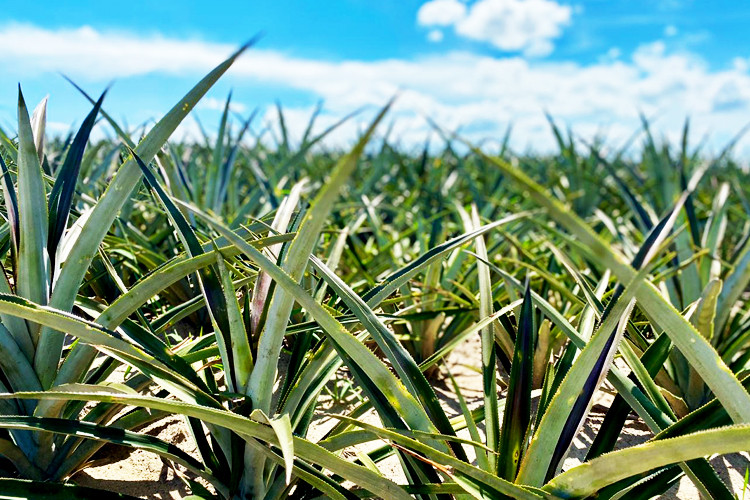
(476, 65)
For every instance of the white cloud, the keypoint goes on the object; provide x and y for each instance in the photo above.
(435, 36)
(614, 53)
(215, 104)
(95, 54)
(670, 30)
(740, 64)
(528, 26)
(480, 94)
(441, 13)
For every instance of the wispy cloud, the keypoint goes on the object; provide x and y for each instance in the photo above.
(215, 104)
(435, 36)
(478, 93)
(89, 53)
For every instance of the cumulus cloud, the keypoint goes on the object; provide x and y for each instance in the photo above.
(479, 94)
(441, 13)
(527, 26)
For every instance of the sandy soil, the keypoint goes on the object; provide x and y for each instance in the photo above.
(146, 475)
(140, 473)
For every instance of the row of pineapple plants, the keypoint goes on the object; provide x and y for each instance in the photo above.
(144, 278)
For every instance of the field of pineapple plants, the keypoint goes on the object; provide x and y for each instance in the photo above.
(254, 285)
